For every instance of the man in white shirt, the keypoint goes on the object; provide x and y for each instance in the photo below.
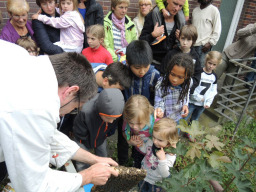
(207, 20)
(35, 91)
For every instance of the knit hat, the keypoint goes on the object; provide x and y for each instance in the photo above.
(110, 102)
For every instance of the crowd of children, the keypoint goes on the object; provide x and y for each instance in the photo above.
(143, 105)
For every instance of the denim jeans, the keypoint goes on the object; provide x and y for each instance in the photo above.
(201, 54)
(194, 111)
(99, 151)
(144, 186)
(251, 75)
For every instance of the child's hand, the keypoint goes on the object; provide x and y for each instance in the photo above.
(206, 106)
(136, 141)
(158, 31)
(35, 16)
(158, 113)
(187, 18)
(165, 13)
(161, 154)
(185, 111)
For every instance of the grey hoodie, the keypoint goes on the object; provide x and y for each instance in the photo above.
(89, 128)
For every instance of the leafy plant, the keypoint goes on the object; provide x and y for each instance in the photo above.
(208, 159)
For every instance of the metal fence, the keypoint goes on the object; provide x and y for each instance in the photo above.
(235, 98)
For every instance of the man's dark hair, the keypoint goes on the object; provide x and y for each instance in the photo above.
(74, 69)
(38, 2)
(139, 53)
(118, 73)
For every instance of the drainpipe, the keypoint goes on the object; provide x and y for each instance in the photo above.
(234, 23)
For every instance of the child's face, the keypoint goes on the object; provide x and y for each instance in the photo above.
(93, 41)
(32, 52)
(158, 140)
(210, 65)
(108, 119)
(185, 43)
(177, 75)
(136, 125)
(67, 5)
(139, 71)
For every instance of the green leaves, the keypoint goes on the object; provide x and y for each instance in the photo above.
(191, 170)
(210, 159)
(213, 141)
(240, 155)
(243, 186)
(194, 151)
(180, 149)
(194, 130)
(213, 158)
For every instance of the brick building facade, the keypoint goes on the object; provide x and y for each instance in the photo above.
(248, 14)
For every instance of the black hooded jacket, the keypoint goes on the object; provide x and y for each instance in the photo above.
(89, 128)
(94, 15)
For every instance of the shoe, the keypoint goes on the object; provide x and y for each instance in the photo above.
(158, 40)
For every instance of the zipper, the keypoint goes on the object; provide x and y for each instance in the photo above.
(98, 134)
(106, 128)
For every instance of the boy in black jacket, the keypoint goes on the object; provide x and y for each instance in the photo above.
(95, 120)
(187, 38)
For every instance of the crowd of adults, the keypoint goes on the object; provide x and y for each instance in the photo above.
(39, 90)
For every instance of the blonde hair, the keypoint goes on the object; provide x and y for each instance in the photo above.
(97, 31)
(28, 43)
(167, 129)
(139, 107)
(140, 16)
(214, 55)
(75, 8)
(114, 3)
(17, 6)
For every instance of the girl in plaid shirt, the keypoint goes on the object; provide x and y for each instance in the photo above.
(171, 96)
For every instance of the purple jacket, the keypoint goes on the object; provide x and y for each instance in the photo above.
(11, 35)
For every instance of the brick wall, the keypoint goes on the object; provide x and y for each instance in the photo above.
(248, 14)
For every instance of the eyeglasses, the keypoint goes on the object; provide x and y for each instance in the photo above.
(19, 16)
(141, 5)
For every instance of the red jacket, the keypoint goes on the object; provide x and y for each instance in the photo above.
(100, 55)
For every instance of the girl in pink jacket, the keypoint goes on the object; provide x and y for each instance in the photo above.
(71, 26)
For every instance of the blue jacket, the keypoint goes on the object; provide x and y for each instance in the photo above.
(143, 86)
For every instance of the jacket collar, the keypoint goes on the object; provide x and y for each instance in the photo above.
(110, 18)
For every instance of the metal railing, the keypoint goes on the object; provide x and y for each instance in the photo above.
(236, 101)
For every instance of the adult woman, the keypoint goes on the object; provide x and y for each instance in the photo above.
(145, 7)
(46, 35)
(18, 25)
(119, 29)
(92, 13)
